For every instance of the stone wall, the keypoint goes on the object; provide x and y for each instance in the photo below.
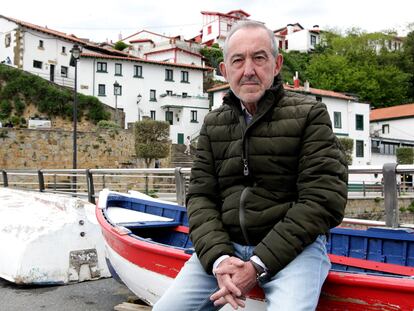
(35, 149)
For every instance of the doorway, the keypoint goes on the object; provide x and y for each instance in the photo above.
(180, 138)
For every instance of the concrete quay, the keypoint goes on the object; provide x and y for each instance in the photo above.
(99, 295)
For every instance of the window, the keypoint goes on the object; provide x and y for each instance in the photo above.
(118, 90)
(40, 44)
(169, 117)
(185, 95)
(153, 95)
(118, 69)
(228, 27)
(385, 129)
(152, 114)
(359, 148)
(184, 76)
(313, 39)
(337, 120)
(169, 93)
(359, 120)
(137, 71)
(63, 49)
(101, 67)
(388, 148)
(7, 40)
(64, 71)
(286, 45)
(37, 64)
(318, 98)
(280, 44)
(209, 30)
(194, 116)
(169, 75)
(101, 90)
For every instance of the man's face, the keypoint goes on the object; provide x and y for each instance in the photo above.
(249, 66)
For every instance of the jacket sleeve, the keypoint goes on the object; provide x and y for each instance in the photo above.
(322, 194)
(209, 237)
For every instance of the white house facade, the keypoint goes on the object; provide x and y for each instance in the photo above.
(391, 128)
(148, 89)
(349, 118)
(294, 37)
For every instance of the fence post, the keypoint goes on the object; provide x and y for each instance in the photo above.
(390, 195)
(91, 188)
(364, 189)
(5, 179)
(180, 186)
(41, 178)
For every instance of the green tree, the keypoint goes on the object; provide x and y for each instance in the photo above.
(348, 146)
(213, 55)
(151, 140)
(294, 62)
(405, 155)
(360, 63)
(120, 46)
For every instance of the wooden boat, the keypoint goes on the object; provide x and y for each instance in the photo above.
(147, 243)
(49, 239)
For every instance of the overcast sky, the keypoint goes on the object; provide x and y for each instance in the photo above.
(103, 19)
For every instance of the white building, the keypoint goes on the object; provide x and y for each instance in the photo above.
(40, 50)
(171, 90)
(216, 25)
(349, 118)
(157, 90)
(391, 128)
(152, 46)
(294, 37)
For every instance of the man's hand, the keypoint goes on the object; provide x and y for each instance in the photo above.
(235, 278)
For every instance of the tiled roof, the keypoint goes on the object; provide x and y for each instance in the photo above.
(394, 112)
(141, 40)
(147, 31)
(300, 89)
(141, 60)
(64, 36)
(174, 49)
(230, 14)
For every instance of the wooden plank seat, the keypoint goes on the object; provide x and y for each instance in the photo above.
(134, 219)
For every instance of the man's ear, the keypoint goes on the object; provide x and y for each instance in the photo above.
(223, 71)
(278, 64)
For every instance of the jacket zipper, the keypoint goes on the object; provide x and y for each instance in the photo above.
(242, 215)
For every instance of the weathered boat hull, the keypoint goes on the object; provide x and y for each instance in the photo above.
(49, 239)
(147, 267)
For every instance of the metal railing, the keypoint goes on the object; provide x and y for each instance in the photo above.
(172, 183)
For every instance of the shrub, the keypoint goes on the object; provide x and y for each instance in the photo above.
(5, 109)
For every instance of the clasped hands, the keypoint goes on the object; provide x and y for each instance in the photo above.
(235, 278)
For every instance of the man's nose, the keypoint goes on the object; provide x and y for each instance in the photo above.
(249, 68)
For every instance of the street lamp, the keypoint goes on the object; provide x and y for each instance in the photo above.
(139, 97)
(116, 93)
(75, 51)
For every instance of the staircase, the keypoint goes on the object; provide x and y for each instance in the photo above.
(178, 158)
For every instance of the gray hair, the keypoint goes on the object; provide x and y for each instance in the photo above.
(250, 24)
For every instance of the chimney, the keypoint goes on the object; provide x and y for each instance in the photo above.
(306, 86)
(296, 82)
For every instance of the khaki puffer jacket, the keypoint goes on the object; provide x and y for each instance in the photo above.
(276, 183)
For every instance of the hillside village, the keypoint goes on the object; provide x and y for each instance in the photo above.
(163, 78)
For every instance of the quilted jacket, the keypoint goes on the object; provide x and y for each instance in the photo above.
(276, 183)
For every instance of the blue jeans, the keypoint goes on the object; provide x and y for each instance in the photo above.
(295, 288)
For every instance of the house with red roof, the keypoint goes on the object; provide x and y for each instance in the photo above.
(294, 37)
(391, 128)
(152, 86)
(216, 25)
(152, 46)
(349, 117)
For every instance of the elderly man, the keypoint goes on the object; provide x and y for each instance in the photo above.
(268, 182)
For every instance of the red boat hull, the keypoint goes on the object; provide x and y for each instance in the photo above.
(341, 291)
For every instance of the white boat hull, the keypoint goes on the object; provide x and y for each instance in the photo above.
(149, 286)
(49, 239)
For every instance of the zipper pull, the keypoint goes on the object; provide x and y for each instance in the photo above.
(245, 168)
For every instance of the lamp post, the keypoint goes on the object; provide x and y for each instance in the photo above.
(116, 93)
(139, 97)
(75, 51)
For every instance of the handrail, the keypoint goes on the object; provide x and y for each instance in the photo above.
(94, 179)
